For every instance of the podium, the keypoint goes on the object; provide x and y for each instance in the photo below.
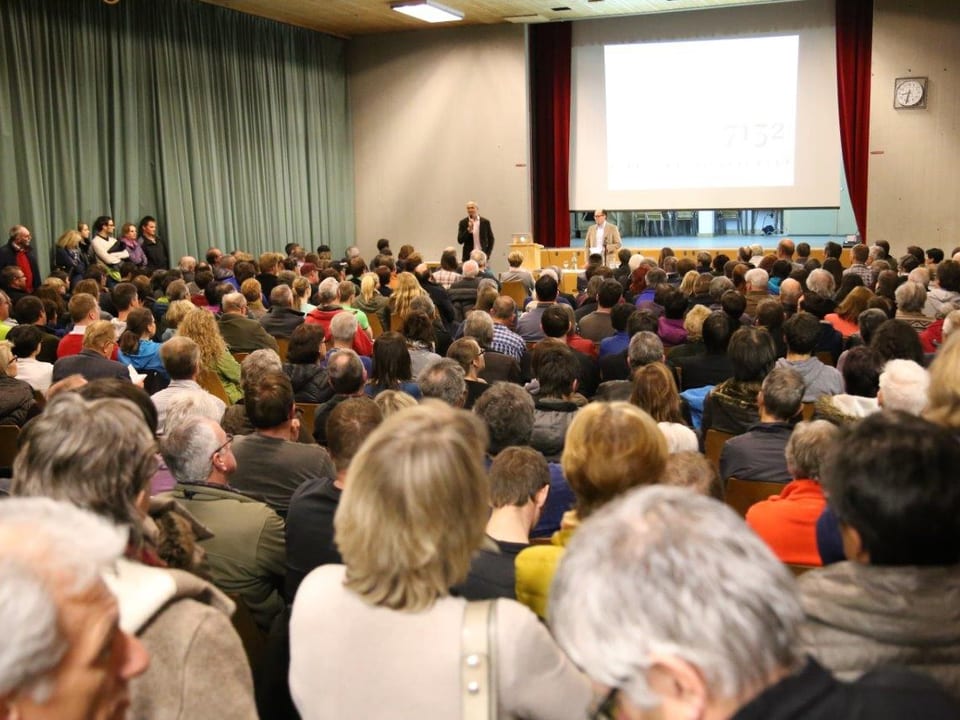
(530, 252)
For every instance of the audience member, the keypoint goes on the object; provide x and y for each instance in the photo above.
(241, 333)
(93, 361)
(25, 344)
(732, 405)
(655, 392)
(282, 318)
(903, 386)
(801, 332)
(444, 380)
(305, 365)
(555, 368)
(347, 379)
(861, 382)
(669, 650)
(713, 366)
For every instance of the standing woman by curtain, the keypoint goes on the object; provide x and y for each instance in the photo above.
(158, 258)
(70, 257)
(130, 243)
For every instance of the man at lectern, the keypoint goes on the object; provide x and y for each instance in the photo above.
(603, 238)
(474, 231)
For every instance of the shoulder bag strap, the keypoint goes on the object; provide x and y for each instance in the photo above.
(478, 661)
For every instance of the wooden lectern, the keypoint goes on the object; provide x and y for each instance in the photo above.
(530, 251)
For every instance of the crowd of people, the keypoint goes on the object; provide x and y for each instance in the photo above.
(304, 486)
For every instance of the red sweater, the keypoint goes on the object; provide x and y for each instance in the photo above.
(788, 522)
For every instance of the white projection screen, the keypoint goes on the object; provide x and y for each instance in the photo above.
(726, 108)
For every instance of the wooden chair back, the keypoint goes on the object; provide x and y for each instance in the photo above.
(742, 494)
(376, 327)
(308, 411)
(826, 357)
(516, 290)
(712, 445)
(8, 444)
(807, 412)
(396, 323)
(210, 381)
(282, 345)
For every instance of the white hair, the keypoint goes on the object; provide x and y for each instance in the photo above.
(343, 326)
(188, 449)
(687, 578)
(636, 260)
(911, 296)
(328, 290)
(950, 323)
(470, 269)
(679, 437)
(920, 275)
(756, 249)
(904, 386)
(479, 257)
(821, 282)
(551, 272)
(191, 403)
(757, 278)
(47, 547)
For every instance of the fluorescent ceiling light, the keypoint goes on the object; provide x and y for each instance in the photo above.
(429, 11)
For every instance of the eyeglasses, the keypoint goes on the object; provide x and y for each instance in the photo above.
(222, 447)
(607, 708)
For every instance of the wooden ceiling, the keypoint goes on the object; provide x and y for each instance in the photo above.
(347, 18)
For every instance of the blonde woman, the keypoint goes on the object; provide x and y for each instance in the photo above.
(302, 292)
(412, 514)
(371, 301)
(177, 311)
(688, 286)
(253, 292)
(70, 256)
(943, 407)
(609, 449)
(407, 289)
(201, 327)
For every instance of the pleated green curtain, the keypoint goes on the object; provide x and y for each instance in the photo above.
(232, 130)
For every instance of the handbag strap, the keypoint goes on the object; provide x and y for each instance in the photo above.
(478, 661)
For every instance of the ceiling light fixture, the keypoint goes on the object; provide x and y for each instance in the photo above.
(428, 11)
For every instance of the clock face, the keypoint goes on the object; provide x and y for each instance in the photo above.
(909, 93)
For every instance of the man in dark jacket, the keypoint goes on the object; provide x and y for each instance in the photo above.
(19, 253)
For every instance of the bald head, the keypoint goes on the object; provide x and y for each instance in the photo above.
(790, 291)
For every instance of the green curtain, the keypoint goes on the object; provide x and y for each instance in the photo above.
(230, 129)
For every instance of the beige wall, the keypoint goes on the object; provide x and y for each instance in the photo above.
(439, 117)
(914, 176)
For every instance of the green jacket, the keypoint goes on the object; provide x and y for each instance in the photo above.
(247, 553)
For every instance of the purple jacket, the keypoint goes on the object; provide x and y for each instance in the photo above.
(671, 332)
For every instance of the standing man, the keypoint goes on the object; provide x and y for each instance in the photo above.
(475, 231)
(18, 252)
(603, 238)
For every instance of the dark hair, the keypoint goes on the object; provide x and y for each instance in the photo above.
(391, 361)
(348, 426)
(868, 321)
(832, 249)
(884, 304)
(781, 269)
(803, 249)
(345, 372)
(215, 291)
(935, 255)
(555, 321)
(783, 390)
(847, 283)
(719, 262)
(122, 389)
(28, 310)
(123, 295)
(674, 303)
(802, 332)
(621, 313)
(861, 372)
(555, 367)
(770, 314)
(304, 346)
(896, 340)
(143, 221)
(100, 223)
(269, 403)
(892, 478)
(717, 330)
(25, 339)
(887, 283)
(642, 320)
(138, 322)
(734, 304)
(833, 266)
(417, 325)
(508, 412)
(546, 288)
(610, 293)
(948, 275)
(244, 270)
(752, 353)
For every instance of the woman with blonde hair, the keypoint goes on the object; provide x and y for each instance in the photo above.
(371, 301)
(943, 393)
(253, 292)
(688, 286)
(70, 257)
(177, 311)
(412, 515)
(407, 289)
(302, 291)
(201, 327)
(609, 449)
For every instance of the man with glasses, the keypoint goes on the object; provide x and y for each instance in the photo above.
(93, 361)
(18, 253)
(706, 622)
(247, 553)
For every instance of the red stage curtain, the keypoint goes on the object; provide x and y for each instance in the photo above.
(550, 45)
(854, 40)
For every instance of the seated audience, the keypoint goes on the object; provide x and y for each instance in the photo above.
(788, 522)
(610, 448)
(713, 366)
(668, 651)
(844, 320)
(374, 611)
(392, 368)
(903, 386)
(467, 353)
(505, 340)
(732, 405)
(201, 327)
(343, 329)
(555, 369)
(181, 359)
(943, 407)
(25, 344)
(17, 403)
(305, 366)
(137, 349)
(328, 305)
(655, 392)
(241, 333)
(891, 481)
(282, 318)
(421, 340)
(496, 366)
(801, 332)
(519, 484)
(671, 328)
(182, 620)
(271, 464)
(896, 340)
(444, 380)
(618, 342)
(757, 454)
(246, 552)
(947, 291)
(911, 297)
(528, 326)
(645, 348)
(691, 469)
(52, 555)
(30, 311)
(314, 504)
(347, 378)
(516, 273)
(93, 361)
